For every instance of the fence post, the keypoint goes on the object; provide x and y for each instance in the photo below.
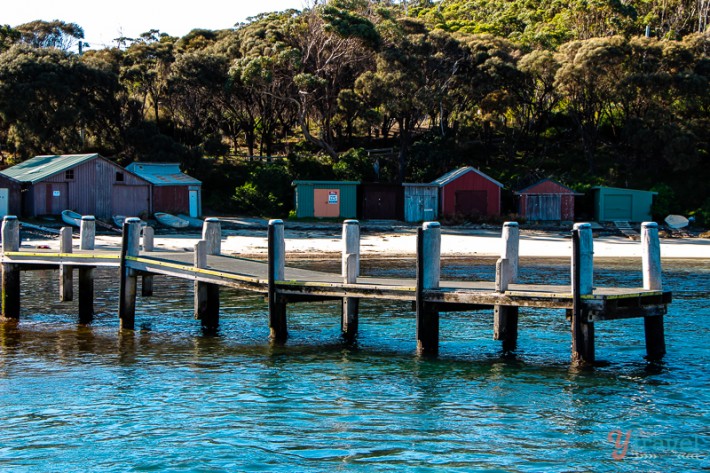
(582, 285)
(66, 288)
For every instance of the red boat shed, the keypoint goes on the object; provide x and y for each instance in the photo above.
(547, 200)
(468, 192)
(172, 190)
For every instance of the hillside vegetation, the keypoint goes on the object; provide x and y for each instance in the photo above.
(585, 92)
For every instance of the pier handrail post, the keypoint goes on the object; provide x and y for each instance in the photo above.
(428, 277)
(652, 281)
(10, 272)
(87, 232)
(582, 277)
(130, 246)
(350, 273)
(511, 249)
(66, 289)
(651, 256)
(10, 233)
(212, 234)
(148, 238)
(276, 272)
(585, 265)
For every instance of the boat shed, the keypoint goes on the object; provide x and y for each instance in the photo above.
(86, 183)
(421, 202)
(468, 192)
(10, 196)
(326, 199)
(616, 204)
(547, 200)
(172, 190)
(380, 201)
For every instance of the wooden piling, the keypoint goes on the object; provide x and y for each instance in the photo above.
(582, 284)
(428, 276)
(66, 287)
(10, 272)
(505, 318)
(350, 272)
(148, 234)
(130, 245)
(206, 295)
(276, 269)
(652, 281)
(87, 232)
(86, 295)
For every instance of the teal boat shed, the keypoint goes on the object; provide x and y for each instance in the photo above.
(615, 204)
(326, 199)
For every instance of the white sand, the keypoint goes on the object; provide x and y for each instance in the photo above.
(460, 243)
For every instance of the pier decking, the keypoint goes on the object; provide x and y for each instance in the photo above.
(282, 285)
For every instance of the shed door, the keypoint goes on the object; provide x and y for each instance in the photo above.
(617, 207)
(194, 207)
(471, 203)
(326, 202)
(131, 201)
(379, 204)
(544, 207)
(4, 201)
(418, 207)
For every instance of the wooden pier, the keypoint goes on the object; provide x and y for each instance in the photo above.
(429, 295)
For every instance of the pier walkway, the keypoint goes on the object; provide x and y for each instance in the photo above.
(282, 285)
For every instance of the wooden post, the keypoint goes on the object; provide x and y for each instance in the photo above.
(148, 238)
(212, 234)
(652, 281)
(511, 249)
(206, 294)
(148, 245)
(351, 271)
(582, 269)
(505, 318)
(10, 272)
(128, 283)
(66, 288)
(87, 232)
(86, 295)
(276, 271)
(428, 276)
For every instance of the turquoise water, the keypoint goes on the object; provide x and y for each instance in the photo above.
(167, 398)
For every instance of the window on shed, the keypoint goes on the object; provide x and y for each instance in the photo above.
(119, 176)
(69, 174)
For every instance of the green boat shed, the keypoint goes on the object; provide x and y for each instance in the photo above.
(615, 204)
(326, 199)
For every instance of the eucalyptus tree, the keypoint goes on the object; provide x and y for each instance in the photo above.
(145, 70)
(51, 34)
(335, 44)
(52, 102)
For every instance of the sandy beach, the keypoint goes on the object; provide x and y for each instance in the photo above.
(401, 242)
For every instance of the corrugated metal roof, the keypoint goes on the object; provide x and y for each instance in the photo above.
(41, 167)
(163, 174)
(456, 173)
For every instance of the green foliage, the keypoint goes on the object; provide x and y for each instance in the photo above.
(664, 203)
(266, 192)
(355, 165)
